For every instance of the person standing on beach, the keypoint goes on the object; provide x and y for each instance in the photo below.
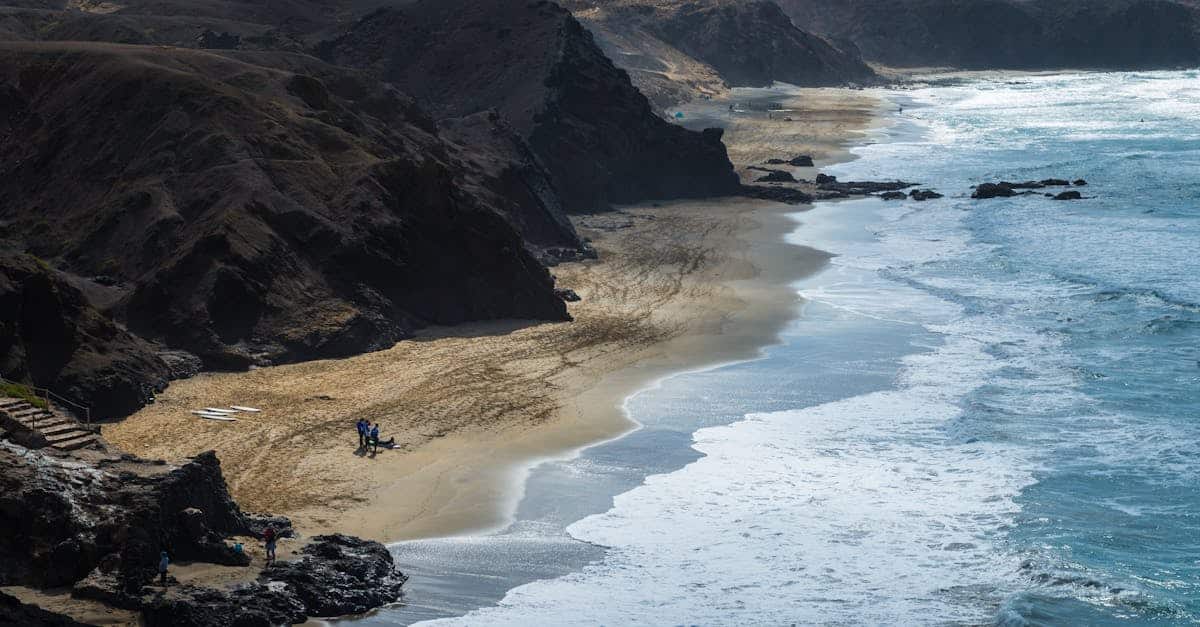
(375, 437)
(269, 541)
(361, 425)
(163, 563)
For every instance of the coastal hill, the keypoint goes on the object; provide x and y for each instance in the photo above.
(542, 72)
(1011, 34)
(676, 48)
(248, 214)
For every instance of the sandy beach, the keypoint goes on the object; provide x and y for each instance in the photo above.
(677, 286)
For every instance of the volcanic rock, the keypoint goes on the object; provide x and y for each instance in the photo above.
(542, 71)
(1068, 195)
(921, 195)
(858, 188)
(993, 190)
(802, 161)
(777, 193)
(776, 176)
(568, 295)
(50, 336)
(893, 195)
(98, 525)
(255, 214)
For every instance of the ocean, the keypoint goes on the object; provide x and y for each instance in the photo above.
(986, 411)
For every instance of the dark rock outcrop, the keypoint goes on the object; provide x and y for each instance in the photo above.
(921, 195)
(541, 70)
(51, 337)
(318, 201)
(1018, 34)
(993, 190)
(1005, 189)
(828, 183)
(1069, 195)
(776, 176)
(335, 576)
(801, 161)
(67, 518)
(338, 575)
(777, 193)
(99, 526)
(568, 295)
(893, 196)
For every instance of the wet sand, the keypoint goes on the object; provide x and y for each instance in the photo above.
(677, 286)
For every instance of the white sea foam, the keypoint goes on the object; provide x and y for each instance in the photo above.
(857, 511)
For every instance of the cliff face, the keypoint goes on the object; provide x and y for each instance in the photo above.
(543, 73)
(249, 213)
(749, 43)
(1027, 34)
(50, 335)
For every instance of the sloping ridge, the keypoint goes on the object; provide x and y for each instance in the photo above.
(542, 72)
(252, 214)
(1025, 34)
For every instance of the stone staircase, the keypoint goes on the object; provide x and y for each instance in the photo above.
(60, 430)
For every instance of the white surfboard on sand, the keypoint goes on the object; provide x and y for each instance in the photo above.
(218, 410)
(240, 408)
(212, 416)
(219, 417)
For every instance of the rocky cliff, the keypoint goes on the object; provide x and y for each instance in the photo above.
(542, 72)
(747, 43)
(252, 214)
(1018, 34)
(50, 335)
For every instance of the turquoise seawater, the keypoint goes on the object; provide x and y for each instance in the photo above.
(987, 411)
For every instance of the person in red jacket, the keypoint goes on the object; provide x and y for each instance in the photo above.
(269, 539)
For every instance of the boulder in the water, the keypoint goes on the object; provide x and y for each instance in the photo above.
(1079, 182)
(923, 194)
(1071, 195)
(893, 195)
(993, 190)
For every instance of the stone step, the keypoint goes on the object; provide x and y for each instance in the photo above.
(65, 434)
(62, 427)
(82, 440)
(46, 419)
(31, 418)
(10, 403)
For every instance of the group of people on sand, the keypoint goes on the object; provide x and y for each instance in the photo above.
(368, 436)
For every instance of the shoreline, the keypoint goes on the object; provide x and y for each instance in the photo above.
(679, 287)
